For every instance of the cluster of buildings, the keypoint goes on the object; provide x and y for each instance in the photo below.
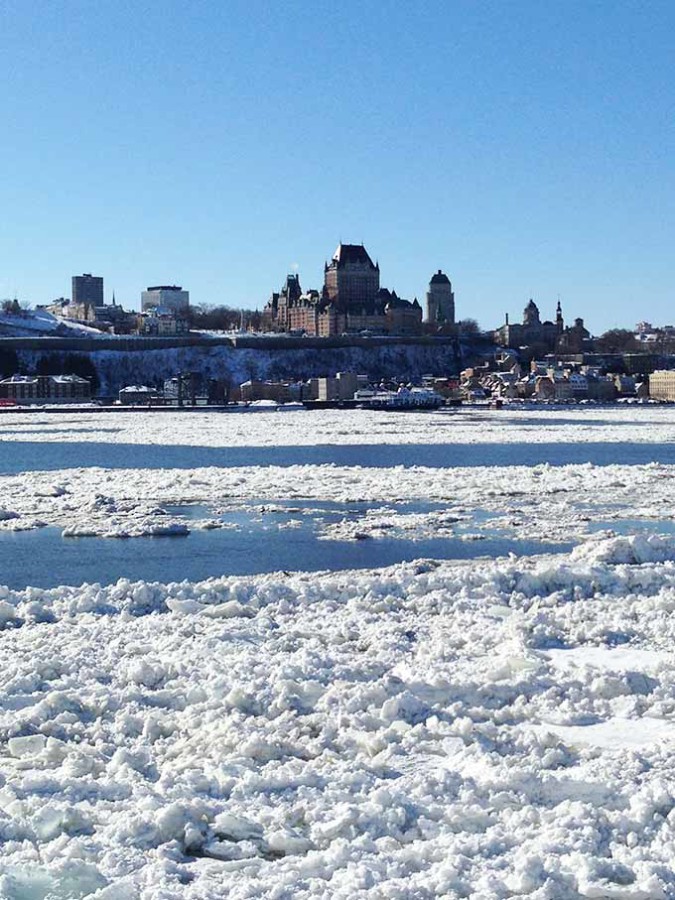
(184, 389)
(192, 390)
(548, 336)
(164, 309)
(538, 358)
(502, 379)
(549, 380)
(651, 337)
(352, 301)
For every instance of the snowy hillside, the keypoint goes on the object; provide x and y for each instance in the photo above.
(119, 368)
(31, 323)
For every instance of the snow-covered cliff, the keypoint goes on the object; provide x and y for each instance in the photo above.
(236, 365)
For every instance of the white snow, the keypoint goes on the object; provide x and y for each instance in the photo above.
(484, 729)
(547, 503)
(39, 321)
(267, 427)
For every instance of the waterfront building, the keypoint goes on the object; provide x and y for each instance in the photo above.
(662, 385)
(275, 391)
(186, 389)
(19, 388)
(553, 386)
(27, 389)
(342, 387)
(137, 395)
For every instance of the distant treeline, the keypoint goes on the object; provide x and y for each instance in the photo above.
(9, 363)
(223, 318)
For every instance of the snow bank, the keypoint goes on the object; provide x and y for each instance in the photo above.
(39, 321)
(631, 549)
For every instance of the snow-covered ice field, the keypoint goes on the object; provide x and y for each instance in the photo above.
(488, 729)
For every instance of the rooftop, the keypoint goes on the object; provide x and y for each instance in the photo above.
(165, 287)
(439, 278)
(351, 254)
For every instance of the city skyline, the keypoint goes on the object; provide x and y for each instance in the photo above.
(141, 303)
(524, 150)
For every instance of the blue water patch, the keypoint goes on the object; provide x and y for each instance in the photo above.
(43, 558)
(27, 456)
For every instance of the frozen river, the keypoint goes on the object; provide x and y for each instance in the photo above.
(338, 654)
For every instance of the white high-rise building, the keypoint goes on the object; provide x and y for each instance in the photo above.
(170, 297)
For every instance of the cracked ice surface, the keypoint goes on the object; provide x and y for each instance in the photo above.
(487, 729)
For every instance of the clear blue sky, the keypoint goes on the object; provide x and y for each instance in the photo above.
(526, 147)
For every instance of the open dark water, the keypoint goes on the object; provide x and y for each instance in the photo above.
(253, 544)
(24, 456)
(43, 558)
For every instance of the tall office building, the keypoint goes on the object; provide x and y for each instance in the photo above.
(87, 289)
(170, 297)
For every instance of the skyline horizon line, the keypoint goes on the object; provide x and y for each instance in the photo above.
(527, 297)
(31, 306)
